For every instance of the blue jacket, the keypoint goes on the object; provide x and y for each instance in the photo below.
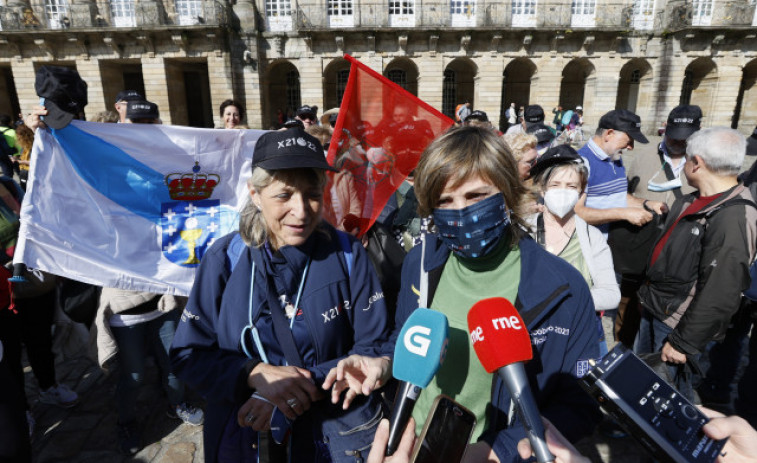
(343, 312)
(564, 337)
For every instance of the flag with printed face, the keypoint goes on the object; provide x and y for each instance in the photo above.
(379, 136)
(132, 206)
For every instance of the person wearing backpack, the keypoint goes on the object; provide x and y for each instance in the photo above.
(700, 265)
(7, 145)
(273, 309)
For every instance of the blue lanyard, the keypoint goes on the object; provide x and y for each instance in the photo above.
(251, 326)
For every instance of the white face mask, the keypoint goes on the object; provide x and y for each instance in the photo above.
(560, 201)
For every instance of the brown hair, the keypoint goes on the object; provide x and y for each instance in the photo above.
(463, 153)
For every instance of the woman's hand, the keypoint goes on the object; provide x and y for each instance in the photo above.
(255, 413)
(32, 119)
(563, 451)
(357, 374)
(380, 441)
(290, 389)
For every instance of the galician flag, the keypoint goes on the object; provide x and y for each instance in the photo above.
(132, 206)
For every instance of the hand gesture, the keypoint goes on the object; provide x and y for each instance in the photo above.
(290, 389)
(357, 374)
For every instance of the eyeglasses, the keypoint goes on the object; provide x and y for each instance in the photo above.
(309, 117)
(530, 163)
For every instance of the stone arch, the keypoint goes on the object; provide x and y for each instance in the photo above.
(459, 84)
(746, 106)
(635, 86)
(403, 72)
(334, 82)
(578, 85)
(283, 90)
(516, 85)
(699, 85)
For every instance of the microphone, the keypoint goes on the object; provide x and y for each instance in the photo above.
(502, 343)
(418, 354)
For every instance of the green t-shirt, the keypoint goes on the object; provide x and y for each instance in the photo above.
(463, 283)
(575, 257)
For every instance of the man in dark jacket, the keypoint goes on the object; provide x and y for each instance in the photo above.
(700, 265)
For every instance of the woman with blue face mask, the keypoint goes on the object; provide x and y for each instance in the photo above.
(467, 181)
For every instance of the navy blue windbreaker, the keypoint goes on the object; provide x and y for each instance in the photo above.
(564, 338)
(342, 313)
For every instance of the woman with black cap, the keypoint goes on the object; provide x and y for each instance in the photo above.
(273, 309)
(560, 176)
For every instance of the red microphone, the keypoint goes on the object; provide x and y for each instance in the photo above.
(502, 343)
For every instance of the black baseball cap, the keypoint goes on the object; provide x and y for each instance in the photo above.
(307, 110)
(533, 113)
(65, 94)
(541, 132)
(477, 115)
(623, 120)
(289, 149)
(683, 120)
(294, 124)
(128, 95)
(141, 109)
(560, 154)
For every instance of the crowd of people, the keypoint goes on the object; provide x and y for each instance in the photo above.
(289, 331)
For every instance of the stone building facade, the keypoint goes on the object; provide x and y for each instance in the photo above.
(190, 55)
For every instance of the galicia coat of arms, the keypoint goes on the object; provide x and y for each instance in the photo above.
(190, 222)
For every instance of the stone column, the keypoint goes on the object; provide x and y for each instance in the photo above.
(431, 79)
(723, 105)
(220, 82)
(488, 86)
(311, 81)
(156, 85)
(89, 70)
(23, 79)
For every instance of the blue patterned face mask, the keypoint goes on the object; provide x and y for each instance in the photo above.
(475, 230)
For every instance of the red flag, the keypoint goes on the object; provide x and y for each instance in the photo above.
(378, 139)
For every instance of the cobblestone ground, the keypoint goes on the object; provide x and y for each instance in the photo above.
(87, 432)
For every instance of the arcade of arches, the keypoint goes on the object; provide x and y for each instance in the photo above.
(584, 82)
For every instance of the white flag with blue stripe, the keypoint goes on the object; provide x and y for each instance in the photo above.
(132, 206)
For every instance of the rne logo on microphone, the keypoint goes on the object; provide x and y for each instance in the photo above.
(477, 335)
(507, 322)
(416, 340)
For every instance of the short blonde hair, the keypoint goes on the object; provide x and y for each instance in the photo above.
(252, 225)
(465, 152)
(519, 143)
(321, 133)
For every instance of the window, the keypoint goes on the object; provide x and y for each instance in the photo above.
(582, 13)
(340, 13)
(524, 13)
(463, 13)
(122, 13)
(449, 93)
(56, 10)
(278, 15)
(189, 12)
(643, 14)
(341, 85)
(398, 76)
(702, 13)
(293, 90)
(635, 76)
(402, 13)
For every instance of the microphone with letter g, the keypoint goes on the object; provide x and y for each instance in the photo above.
(502, 343)
(418, 354)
